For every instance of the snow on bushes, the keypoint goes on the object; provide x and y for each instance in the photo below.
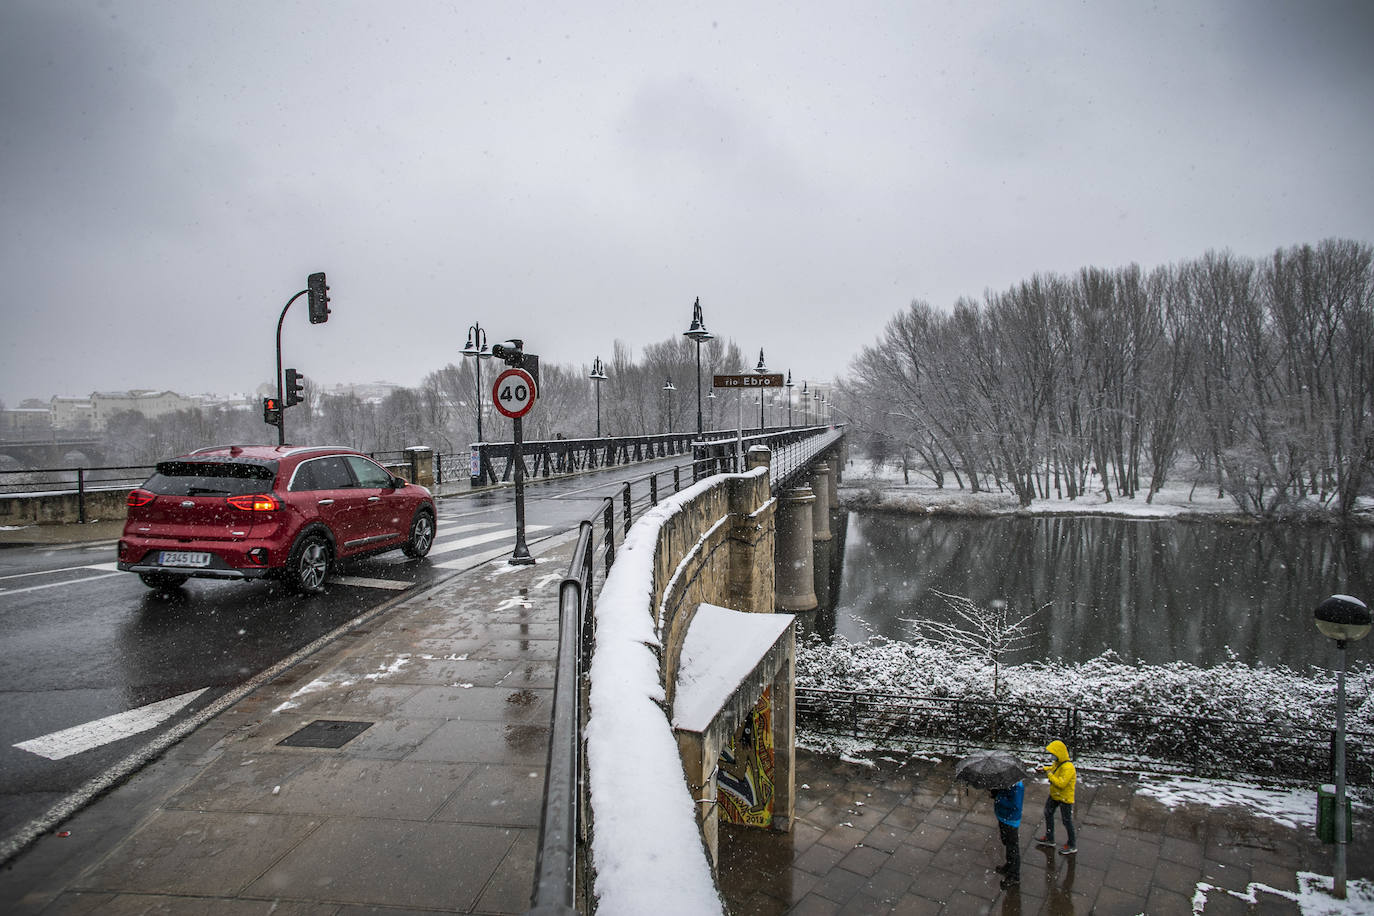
(1278, 696)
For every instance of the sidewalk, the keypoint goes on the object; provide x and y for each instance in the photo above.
(45, 535)
(400, 766)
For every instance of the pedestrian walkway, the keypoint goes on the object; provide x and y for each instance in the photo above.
(904, 837)
(400, 767)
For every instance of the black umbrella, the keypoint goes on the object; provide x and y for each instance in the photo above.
(990, 770)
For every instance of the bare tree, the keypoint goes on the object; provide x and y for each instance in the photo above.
(985, 632)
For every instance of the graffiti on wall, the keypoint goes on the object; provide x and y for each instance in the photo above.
(744, 782)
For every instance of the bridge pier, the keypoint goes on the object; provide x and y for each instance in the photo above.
(820, 509)
(794, 564)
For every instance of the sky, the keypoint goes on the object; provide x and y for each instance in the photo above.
(577, 174)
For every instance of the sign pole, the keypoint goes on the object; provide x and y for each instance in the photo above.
(514, 395)
(521, 556)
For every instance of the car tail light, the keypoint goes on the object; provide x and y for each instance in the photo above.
(140, 498)
(258, 556)
(257, 502)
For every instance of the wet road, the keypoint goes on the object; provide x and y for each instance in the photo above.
(81, 642)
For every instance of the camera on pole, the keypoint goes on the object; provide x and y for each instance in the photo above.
(516, 357)
(295, 388)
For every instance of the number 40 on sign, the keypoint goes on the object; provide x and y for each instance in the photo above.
(513, 393)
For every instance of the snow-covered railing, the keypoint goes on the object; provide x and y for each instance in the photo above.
(1198, 745)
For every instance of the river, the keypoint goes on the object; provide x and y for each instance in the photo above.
(1153, 591)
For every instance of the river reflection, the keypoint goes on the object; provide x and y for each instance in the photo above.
(1153, 591)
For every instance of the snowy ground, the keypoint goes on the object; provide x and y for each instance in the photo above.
(884, 486)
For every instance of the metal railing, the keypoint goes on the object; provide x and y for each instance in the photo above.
(559, 871)
(44, 481)
(1199, 745)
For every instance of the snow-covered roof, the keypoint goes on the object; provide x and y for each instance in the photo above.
(722, 648)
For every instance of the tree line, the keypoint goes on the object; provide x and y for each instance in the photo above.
(1257, 374)
(442, 411)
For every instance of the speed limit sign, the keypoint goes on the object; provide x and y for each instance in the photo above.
(513, 393)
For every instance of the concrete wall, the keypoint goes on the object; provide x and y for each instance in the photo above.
(62, 508)
(718, 550)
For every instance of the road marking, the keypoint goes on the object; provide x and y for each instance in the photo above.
(81, 738)
(371, 583)
(35, 588)
(462, 543)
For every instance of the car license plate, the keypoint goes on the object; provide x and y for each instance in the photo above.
(183, 558)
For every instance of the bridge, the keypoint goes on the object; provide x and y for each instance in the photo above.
(52, 450)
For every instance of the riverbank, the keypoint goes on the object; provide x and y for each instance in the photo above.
(887, 489)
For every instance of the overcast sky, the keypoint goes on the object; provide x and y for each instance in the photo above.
(574, 174)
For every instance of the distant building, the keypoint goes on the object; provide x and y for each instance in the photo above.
(147, 402)
(91, 414)
(372, 392)
(72, 414)
(19, 423)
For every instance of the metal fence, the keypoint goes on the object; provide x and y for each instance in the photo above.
(1197, 745)
(42, 481)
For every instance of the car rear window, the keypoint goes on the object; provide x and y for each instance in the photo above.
(211, 478)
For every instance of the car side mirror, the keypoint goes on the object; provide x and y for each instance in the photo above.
(398, 483)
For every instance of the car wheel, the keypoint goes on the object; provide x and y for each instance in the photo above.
(162, 581)
(421, 535)
(308, 566)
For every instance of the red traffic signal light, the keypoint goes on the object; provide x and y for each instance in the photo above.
(271, 411)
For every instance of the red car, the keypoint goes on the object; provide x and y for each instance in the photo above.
(245, 512)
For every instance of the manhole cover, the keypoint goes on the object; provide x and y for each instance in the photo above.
(326, 733)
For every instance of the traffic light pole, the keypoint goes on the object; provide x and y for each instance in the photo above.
(281, 427)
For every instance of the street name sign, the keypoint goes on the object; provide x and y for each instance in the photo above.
(751, 380)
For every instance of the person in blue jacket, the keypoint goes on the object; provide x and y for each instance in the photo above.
(1007, 805)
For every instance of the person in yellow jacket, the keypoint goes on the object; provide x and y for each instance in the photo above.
(1062, 777)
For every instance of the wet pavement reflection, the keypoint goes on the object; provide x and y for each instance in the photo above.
(899, 835)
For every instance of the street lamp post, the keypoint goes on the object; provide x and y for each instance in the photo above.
(788, 385)
(761, 369)
(478, 350)
(598, 376)
(668, 390)
(1344, 619)
(698, 333)
(806, 406)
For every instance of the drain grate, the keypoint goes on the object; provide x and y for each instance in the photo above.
(330, 733)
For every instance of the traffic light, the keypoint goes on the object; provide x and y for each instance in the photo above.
(271, 412)
(295, 388)
(319, 298)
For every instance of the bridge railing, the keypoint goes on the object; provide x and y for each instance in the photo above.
(562, 867)
(73, 480)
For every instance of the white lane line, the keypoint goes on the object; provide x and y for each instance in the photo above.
(80, 738)
(464, 543)
(371, 583)
(36, 588)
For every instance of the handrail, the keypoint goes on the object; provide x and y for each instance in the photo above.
(565, 816)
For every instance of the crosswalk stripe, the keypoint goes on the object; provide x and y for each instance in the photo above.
(487, 538)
